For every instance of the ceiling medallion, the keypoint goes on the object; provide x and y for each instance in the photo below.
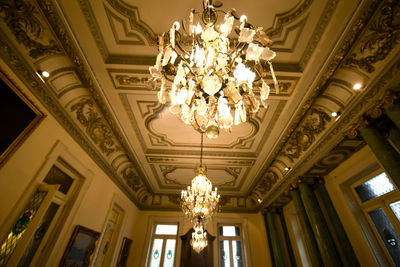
(209, 71)
(199, 202)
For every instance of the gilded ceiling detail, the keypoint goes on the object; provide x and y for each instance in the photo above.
(113, 19)
(382, 35)
(305, 135)
(373, 98)
(133, 154)
(95, 126)
(319, 30)
(22, 19)
(287, 17)
(294, 137)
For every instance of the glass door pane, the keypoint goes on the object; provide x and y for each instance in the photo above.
(169, 253)
(237, 254)
(387, 233)
(395, 206)
(38, 236)
(155, 256)
(225, 253)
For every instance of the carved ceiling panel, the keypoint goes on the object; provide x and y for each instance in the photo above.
(98, 53)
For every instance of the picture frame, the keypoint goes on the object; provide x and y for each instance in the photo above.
(124, 252)
(80, 247)
(19, 116)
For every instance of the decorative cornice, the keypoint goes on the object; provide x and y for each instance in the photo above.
(47, 7)
(304, 136)
(292, 136)
(287, 17)
(353, 114)
(316, 36)
(28, 76)
(382, 34)
(22, 19)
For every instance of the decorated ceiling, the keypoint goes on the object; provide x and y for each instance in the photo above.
(98, 53)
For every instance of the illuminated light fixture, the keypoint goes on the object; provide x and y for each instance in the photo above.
(44, 74)
(357, 86)
(335, 114)
(199, 202)
(259, 200)
(199, 239)
(287, 168)
(211, 70)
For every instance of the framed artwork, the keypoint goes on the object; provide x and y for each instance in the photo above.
(124, 252)
(80, 247)
(18, 117)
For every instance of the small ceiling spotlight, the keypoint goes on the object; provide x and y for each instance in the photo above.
(287, 168)
(335, 114)
(357, 86)
(259, 200)
(44, 74)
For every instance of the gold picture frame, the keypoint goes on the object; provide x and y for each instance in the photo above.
(124, 252)
(80, 247)
(19, 117)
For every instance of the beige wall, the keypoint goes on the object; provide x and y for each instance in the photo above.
(20, 171)
(253, 227)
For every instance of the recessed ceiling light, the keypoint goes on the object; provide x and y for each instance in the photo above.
(334, 114)
(287, 168)
(357, 86)
(45, 74)
(259, 200)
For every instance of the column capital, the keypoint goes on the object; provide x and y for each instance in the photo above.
(391, 97)
(353, 130)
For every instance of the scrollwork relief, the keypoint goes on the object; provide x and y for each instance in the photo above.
(21, 18)
(132, 80)
(381, 37)
(95, 126)
(305, 135)
(265, 184)
(132, 178)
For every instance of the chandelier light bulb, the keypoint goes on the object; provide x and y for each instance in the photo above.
(208, 71)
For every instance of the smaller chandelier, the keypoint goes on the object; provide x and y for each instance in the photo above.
(199, 202)
(199, 238)
(214, 71)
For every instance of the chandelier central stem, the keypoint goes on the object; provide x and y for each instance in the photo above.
(201, 151)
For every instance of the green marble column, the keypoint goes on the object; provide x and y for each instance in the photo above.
(394, 136)
(337, 225)
(271, 252)
(393, 112)
(325, 243)
(384, 151)
(309, 239)
(276, 247)
(287, 239)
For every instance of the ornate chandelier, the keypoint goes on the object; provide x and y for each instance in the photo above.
(199, 202)
(199, 238)
(210, 73)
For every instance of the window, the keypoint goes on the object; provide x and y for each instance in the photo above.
(163, 245)
(380, 202)
(230, 246)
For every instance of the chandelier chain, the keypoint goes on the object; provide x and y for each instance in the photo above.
(201, 151)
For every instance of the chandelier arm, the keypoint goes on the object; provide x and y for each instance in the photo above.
(180, 48)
